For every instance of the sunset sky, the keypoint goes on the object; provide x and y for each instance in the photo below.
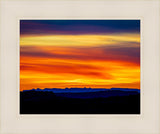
(79, 53)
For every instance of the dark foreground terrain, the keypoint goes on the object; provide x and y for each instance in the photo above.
(102, 102)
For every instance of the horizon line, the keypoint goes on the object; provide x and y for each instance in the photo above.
(78, 88)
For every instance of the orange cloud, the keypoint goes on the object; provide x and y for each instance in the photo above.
(86, 62)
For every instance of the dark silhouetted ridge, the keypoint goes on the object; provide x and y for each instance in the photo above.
(80, 101)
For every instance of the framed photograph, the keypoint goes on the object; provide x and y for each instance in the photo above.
(90, 66)
(80, 67)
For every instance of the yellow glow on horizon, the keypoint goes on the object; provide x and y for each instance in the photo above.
(120, 74)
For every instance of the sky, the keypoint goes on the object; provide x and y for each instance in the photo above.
(79, 53)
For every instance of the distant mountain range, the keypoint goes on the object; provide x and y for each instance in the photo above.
(81, 90)
(88, 92)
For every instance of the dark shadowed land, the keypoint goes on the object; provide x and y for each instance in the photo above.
(80, 101)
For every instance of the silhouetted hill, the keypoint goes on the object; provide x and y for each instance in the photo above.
(100, 94)
(104, 101)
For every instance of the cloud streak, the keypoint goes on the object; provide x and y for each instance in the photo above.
(122, 54)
